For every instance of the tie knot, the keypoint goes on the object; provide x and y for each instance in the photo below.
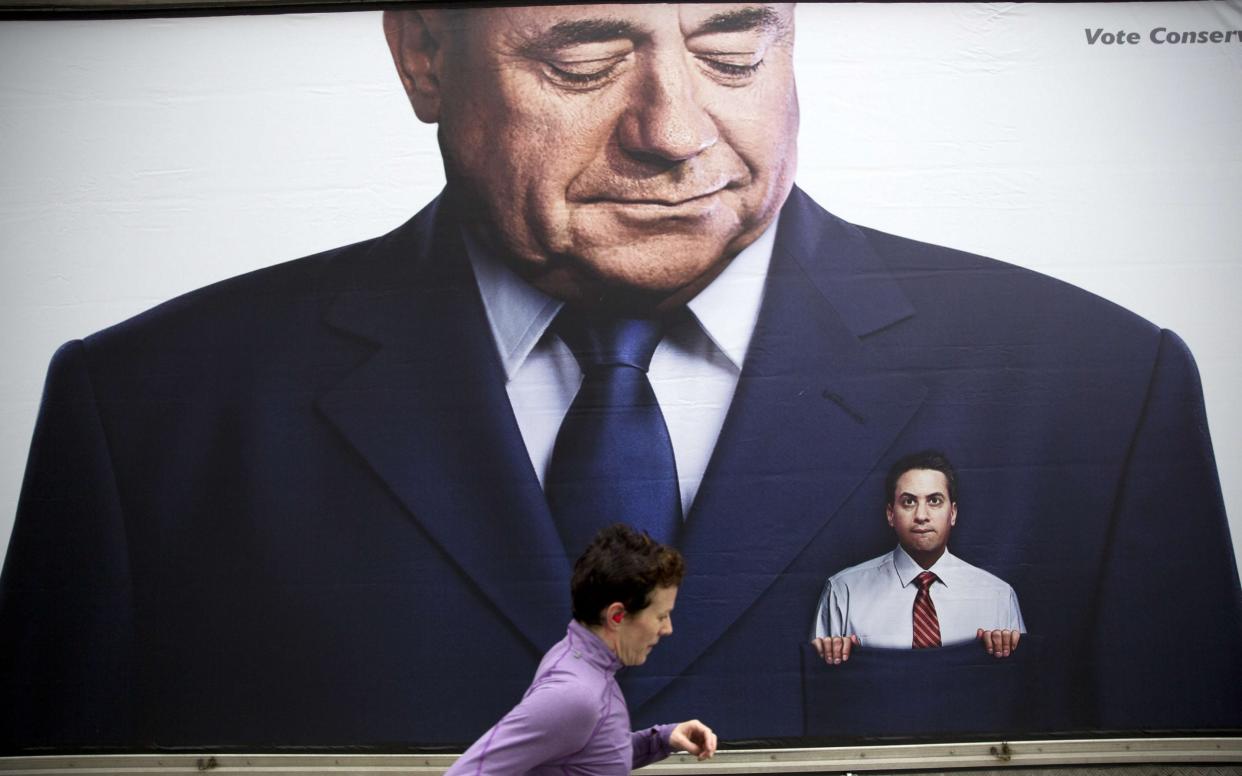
(602, 342)
(925, 579)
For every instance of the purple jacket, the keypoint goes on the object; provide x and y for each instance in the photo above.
(572, 720)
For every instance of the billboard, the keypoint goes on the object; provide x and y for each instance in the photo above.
(306, 502)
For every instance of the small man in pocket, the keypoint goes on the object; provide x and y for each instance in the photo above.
(919, 595)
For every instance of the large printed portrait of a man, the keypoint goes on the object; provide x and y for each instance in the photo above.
(332, 501)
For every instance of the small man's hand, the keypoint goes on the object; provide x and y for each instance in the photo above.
(694, 737)
(835, 649)
(998, 643)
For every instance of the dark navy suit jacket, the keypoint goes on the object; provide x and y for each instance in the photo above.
(294, 509)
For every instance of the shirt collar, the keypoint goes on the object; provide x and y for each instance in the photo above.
(592, 647)
(729, 307)
(519, 314)
(945, 568)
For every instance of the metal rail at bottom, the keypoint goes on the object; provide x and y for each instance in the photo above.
(1216, 755)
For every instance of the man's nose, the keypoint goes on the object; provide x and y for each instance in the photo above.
(922, 513)
(665, 119)
(667, 630)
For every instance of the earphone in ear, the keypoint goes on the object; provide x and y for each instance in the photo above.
(617, 617)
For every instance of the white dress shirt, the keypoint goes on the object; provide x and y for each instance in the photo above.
(693, 373)
(875, 601)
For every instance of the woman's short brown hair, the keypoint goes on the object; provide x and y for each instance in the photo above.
(624, 565)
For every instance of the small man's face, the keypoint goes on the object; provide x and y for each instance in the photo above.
(922, 514)
(621, 153)
(640, 631)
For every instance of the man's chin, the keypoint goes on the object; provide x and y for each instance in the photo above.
(638, 285)
(646, 273)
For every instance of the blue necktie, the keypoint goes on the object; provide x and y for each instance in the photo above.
(613, 460)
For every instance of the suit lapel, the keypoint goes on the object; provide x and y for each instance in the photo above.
(428, 412)
(814, 411)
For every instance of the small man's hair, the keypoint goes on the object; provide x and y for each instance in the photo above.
(933, 460)
(621, 564)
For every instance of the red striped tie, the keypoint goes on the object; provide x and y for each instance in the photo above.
(926, 623)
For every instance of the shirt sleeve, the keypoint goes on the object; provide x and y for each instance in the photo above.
(651, 745)
(554, 720)
(829, 617)
(1014, 614)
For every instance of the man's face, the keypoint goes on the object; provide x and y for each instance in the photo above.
(922, 514)
(639, 631)
(621, 153)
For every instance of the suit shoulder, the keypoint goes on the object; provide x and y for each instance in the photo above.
(948, 289)
(268, 291)
(993, 290)
(264, 318)
(286, 288)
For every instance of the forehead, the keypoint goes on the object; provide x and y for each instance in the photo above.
(663, 598)
(922, 482)
(566, 24)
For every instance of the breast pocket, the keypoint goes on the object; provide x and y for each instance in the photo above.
(946, 691)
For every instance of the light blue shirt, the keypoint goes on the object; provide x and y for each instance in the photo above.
(694, 371)
(875, 601)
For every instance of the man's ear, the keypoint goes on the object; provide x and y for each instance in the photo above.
(614, 614)
(888, 513)
(953, 515)
(416, 40)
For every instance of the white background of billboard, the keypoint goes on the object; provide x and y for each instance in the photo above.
(143, 158)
